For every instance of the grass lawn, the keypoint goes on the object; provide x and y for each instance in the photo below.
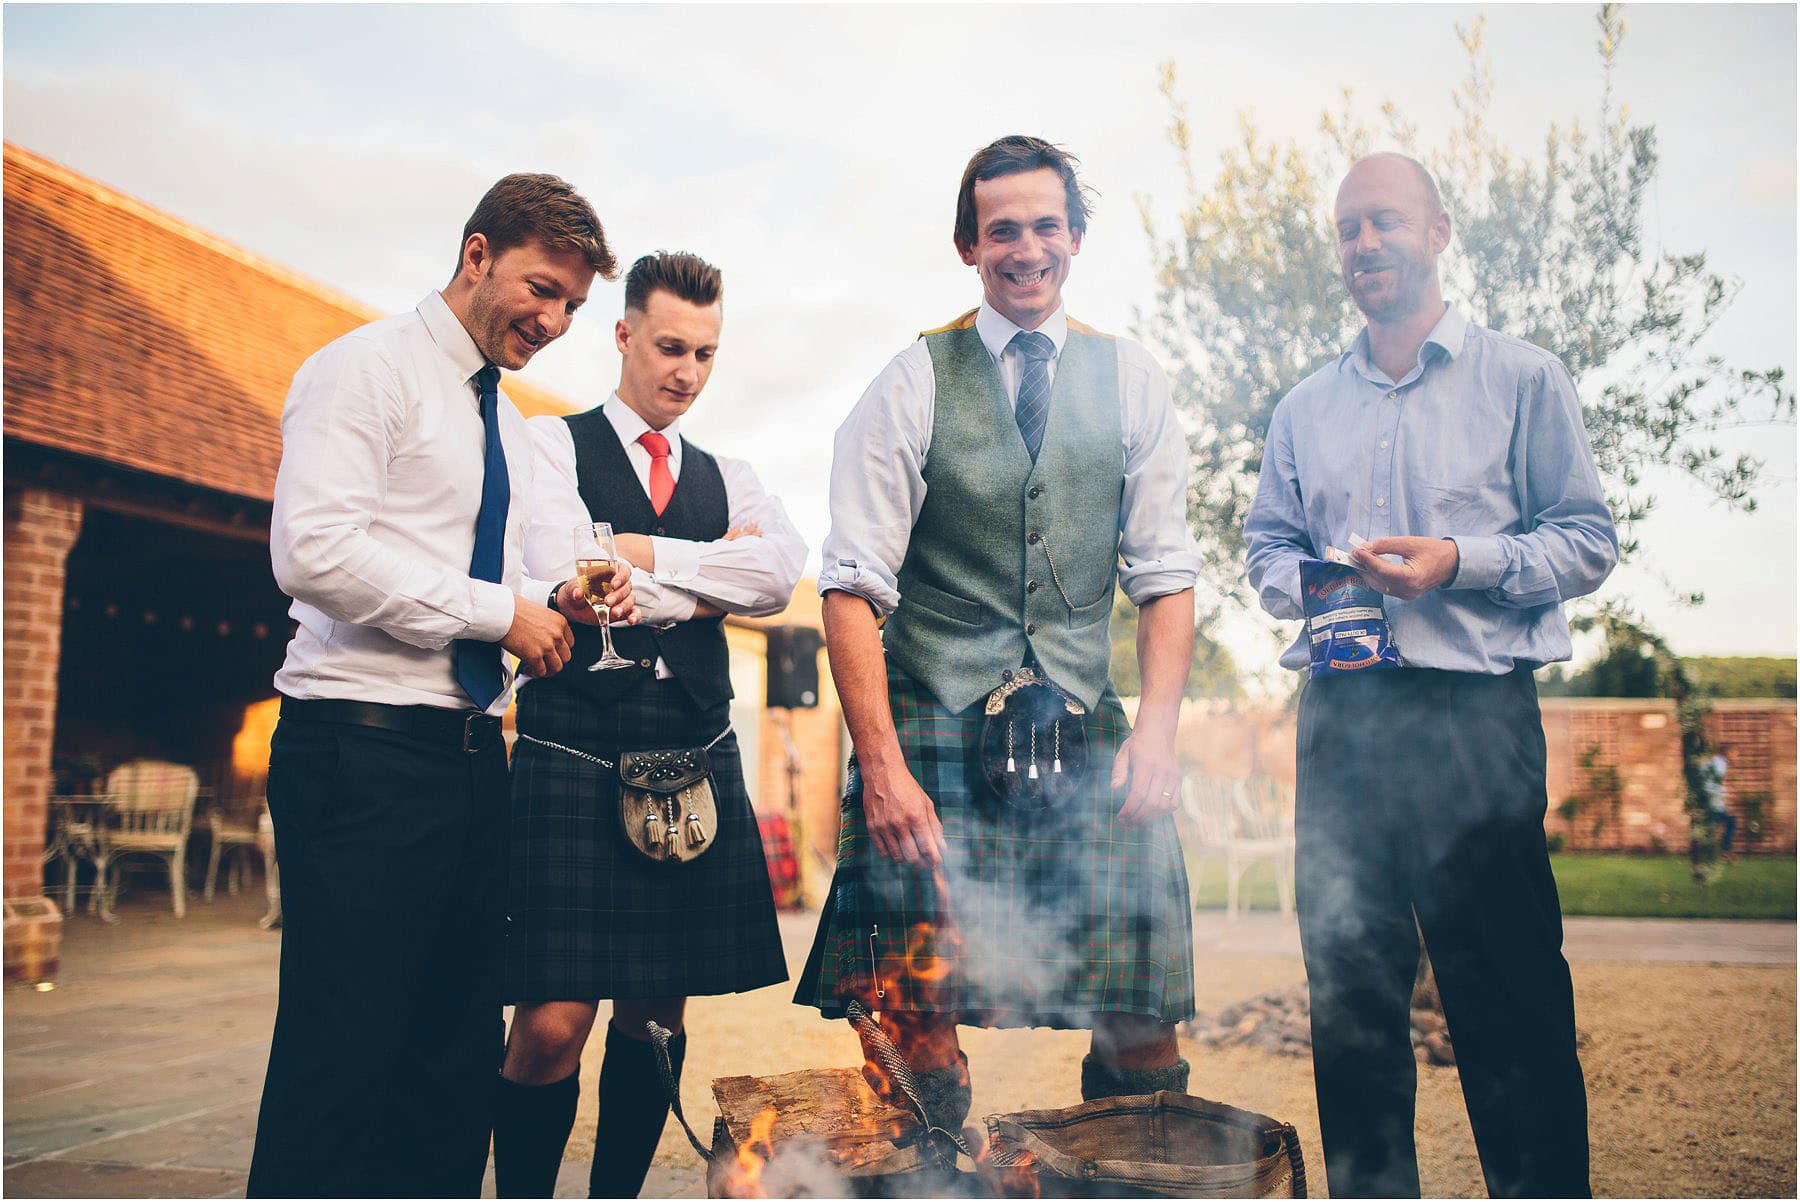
(1594, 884)
(1663, 887)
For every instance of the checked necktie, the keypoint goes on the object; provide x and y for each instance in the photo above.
(1033, 407)
(478, 667)
(662, 481)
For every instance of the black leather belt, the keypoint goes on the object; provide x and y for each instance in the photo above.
(468, 730)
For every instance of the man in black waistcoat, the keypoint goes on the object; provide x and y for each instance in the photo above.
(589, 916)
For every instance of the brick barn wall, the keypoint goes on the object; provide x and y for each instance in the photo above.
(41, 526)
(1639, 739)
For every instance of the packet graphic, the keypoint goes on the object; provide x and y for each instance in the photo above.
(1346, 625)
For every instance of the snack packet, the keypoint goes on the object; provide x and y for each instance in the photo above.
(1345, 622)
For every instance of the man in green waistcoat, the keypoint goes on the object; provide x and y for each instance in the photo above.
(984, 494)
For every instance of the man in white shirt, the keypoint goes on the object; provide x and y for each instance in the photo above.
(400, 509)
(983, 493)
(590, 917)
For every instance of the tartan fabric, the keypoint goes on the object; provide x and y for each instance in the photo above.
(784, 864)
(1050, 918)
(587, 916)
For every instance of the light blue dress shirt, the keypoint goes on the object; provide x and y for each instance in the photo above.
(1482, 443)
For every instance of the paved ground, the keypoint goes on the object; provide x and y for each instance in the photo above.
(138, 1076)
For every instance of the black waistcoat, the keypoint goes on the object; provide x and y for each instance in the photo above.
(698, 511)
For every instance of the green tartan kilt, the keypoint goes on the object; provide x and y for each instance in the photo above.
(1035, 919)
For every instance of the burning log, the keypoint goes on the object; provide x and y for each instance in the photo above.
(812, 1133)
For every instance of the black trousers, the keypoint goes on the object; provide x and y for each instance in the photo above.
(1422, 793)
(388, 1037)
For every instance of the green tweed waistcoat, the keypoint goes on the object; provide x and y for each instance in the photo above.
(1008, 556)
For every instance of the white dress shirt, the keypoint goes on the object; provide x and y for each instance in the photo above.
(374, 521)
(753, 576)
(878, 462)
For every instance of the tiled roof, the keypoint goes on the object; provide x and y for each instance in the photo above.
(134, 338)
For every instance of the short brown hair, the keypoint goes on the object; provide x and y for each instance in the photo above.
(528, 207)
(687, 277)
(1010, 156)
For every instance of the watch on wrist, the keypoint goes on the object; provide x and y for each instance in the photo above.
(554, 594)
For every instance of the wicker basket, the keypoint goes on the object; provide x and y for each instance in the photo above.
(1165, 1143)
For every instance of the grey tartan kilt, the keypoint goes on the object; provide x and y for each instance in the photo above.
(587, 916)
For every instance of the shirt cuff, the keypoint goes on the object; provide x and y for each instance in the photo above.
(848, 576)
(1142, 586)
(1481, 561)
(677, 559)
(493, 611)
(659, 602)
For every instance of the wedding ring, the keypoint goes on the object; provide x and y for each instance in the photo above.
(1168, 793)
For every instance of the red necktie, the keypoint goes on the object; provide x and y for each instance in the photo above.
(662, 483)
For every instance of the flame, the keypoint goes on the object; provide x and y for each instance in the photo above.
(1020, 1180)
(753, 1156)
(1016, 1180)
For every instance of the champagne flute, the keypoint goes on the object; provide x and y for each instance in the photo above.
(596, 562)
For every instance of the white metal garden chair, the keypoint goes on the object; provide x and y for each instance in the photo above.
(149, 812)
(1242, 823)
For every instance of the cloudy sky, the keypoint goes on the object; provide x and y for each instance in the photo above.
(813, 153)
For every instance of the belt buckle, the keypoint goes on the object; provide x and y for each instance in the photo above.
(469, 731)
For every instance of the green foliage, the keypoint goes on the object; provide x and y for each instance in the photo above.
(1625, 632)
(1755, 810)
(1741, 675)
(1213, 672)
(1599, 796)
(1548, 247)
(1626, 670)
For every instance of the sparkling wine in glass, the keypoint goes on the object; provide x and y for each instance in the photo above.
(596, 562)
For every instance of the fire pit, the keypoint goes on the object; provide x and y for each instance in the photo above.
(829, 1133)
(826, 1133)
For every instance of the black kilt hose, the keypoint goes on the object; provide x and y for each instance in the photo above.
(1052, 917)
(588, 917)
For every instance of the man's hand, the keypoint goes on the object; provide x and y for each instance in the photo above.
(1425, 564)
(572, 602)
(540, 638)
(747, 530)
(1147, 760)
(901, 819)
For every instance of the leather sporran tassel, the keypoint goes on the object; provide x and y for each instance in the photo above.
(653, 829)
(1012, 730)
(1033, 773)
(1056, 764)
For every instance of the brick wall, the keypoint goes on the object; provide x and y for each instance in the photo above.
(41, 526)
(1639, 740)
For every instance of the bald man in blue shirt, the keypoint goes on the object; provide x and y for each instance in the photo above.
(1461, 453)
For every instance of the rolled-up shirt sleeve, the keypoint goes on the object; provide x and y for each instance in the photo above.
(344, 415)
(753, 575)
(1570, 546)
(878, 482)
(1158, 549)
(1275, 532)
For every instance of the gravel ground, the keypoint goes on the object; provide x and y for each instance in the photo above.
(1690, 1075)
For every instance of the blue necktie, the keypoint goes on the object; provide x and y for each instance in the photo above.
(1033, 408)
(478, 668)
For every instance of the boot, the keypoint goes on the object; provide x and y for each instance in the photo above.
(634, 1104)
(531, 1127)
(1100, 1080)
(945, 1093)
